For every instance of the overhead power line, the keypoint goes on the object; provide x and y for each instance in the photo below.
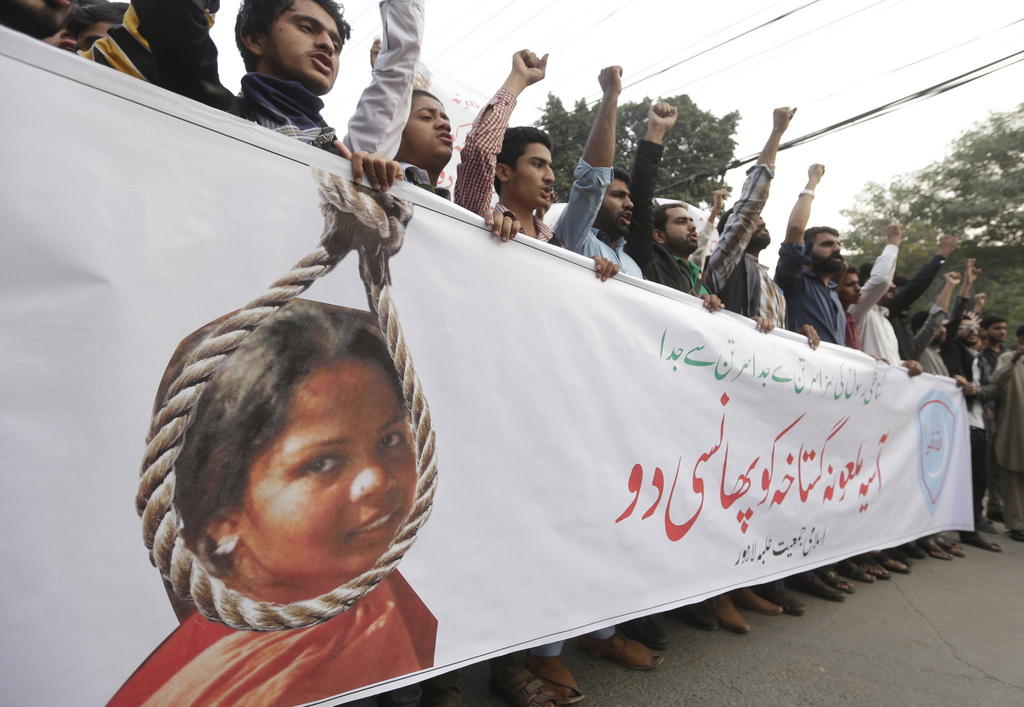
(913, 63)
(892, 106)
(776, 46)
(772, 21)
(512, 31)
(487, 19)
(707, 37)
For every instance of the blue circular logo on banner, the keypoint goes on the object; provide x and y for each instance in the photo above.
(936, 425)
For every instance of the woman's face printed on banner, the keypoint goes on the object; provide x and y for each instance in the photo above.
(325, 498)
(298, 468)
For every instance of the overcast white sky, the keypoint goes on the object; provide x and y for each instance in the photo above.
(832, 60)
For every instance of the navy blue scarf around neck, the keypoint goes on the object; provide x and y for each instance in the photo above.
(295, 103)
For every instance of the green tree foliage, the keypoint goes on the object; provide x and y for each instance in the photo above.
(975, 193)
(700, 143)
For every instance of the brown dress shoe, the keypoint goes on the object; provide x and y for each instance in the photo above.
(624, 651)
(746, 599)
(789, 603)
(726, 615)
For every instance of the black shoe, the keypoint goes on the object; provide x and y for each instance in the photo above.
(646, 631)
(698, 616)
(983, 525)
(1017, 535)
(973, 537)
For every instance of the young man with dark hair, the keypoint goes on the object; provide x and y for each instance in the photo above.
(848, 289)
(516, 163)
(36, 18)
(426, 146)
(290, 48)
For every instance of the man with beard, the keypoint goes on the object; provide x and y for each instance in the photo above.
(667, 259)
(36, 18)
(660, 241)
(807, 261)
(733, 272)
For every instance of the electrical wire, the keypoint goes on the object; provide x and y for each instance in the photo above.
(611, 14)
(847, 16)
(512, 31)
(476, 27)
(706, 38)
(885, 109)
(846, 88)
(772, 21)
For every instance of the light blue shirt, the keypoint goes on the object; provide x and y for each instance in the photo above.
(576, 225)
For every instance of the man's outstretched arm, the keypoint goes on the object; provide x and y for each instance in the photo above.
(660, 119)
(593, 173)
(745, 212)
(920, 283)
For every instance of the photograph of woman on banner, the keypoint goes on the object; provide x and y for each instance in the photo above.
(296, 473)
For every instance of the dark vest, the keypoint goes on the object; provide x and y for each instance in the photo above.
(742, 291)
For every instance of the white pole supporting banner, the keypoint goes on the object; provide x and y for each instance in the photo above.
(602, 451)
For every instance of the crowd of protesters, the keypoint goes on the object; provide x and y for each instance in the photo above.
(291, 48)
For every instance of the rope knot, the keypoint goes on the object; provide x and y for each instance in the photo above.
(369, 222)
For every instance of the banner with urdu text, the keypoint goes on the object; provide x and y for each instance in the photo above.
(217, 459)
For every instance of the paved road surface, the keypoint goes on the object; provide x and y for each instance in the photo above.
(949, 633)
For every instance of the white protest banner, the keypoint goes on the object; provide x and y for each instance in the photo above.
(602, 450)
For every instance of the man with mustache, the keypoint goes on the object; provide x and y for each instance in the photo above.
(807, 261)
(661, 241)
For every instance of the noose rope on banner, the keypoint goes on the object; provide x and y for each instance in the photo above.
(353, 220)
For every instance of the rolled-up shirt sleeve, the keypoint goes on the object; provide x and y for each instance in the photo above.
(588, 187)
(479, 155)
